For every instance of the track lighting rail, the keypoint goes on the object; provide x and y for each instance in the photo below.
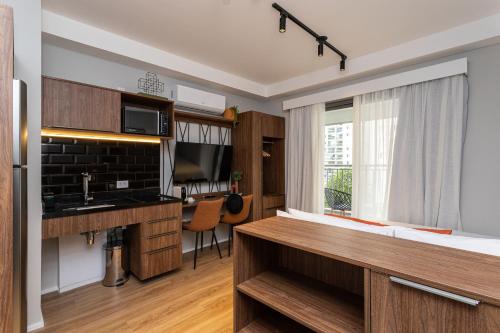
(322, 40)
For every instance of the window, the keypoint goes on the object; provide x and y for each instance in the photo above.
(337, 175)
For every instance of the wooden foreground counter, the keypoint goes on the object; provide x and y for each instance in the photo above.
(298, 276)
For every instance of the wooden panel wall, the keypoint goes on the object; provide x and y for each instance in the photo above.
(6, 75)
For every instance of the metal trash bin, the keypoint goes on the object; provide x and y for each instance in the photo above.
(116, 270)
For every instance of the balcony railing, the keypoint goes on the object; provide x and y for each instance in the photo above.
(337, 182)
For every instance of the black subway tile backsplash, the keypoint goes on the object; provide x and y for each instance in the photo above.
(74, 149)
(97, 150)
(64, 160)
(107, 159)
(86, 159)
(51, 148)
(61, 159)
(143, 159)
(117, 167)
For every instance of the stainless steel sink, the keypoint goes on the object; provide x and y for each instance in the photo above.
(88, 207)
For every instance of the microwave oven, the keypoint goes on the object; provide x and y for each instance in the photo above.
(144, 120)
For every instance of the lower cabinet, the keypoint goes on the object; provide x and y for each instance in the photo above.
(271, 203)
(155, 244)
(400, 308)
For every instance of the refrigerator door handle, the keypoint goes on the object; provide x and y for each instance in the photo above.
(20, 124)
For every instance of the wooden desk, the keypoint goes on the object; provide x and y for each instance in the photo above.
(328, 279)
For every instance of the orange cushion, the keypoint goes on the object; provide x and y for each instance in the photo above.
(436, 231)
(358, 220)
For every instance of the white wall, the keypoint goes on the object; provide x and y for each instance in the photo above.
(27, 67)
(480, 192)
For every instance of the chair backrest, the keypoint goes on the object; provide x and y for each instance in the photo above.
(206, 216)
(241, 216)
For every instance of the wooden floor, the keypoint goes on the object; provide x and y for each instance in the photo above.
(186, 300)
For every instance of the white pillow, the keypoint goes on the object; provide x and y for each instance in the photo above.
(340, 222)
(480, 245)
(283, 214)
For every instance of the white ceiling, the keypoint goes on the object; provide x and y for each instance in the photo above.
(241, 36)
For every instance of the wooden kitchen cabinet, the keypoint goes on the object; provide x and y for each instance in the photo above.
(272, 126)
(72, 105)
(155, 244)
(399, 308)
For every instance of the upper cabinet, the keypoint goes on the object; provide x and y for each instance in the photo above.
(272, 126)
(79, 106)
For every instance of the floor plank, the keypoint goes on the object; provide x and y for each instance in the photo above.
(186, 300)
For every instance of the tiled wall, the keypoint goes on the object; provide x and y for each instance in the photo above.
(63, 161)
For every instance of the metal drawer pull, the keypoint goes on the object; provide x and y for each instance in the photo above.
(164, 234)
(162, 220)
(171, 247)
(438, 292)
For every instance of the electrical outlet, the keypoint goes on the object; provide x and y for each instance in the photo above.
(121, 184)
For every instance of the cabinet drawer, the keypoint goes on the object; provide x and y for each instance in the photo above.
(158, 212)
(160, 226)
(161, 261)
(396, 307)
(161, 241)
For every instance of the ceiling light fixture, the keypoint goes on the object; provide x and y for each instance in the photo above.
(320, 39)
(283, 23)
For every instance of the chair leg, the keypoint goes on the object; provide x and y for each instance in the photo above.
(229, 239)
(214, 236)
(212, 242)
(195, 250)
(201, 245)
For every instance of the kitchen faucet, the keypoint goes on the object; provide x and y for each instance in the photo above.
(86, 179)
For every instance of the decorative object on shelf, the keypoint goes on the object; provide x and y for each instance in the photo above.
(231, 113)
(237, 175)
(322, 40)
(151, 85)
(265, 154)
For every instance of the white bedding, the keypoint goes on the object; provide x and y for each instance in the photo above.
(458, 240)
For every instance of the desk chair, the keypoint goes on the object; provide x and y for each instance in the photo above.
(205, 218)
(235, 219)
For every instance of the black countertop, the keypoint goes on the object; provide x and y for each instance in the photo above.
(67, 206)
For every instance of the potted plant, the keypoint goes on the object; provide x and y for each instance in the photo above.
(236, 178)
(231, 113)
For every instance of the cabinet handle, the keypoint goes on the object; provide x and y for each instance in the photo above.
(163, 249)
(438, 292)
(164, 234)
(162, 220)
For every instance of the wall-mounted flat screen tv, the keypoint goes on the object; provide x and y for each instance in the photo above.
(198, 162)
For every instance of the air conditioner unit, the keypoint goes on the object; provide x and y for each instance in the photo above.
(195, 100)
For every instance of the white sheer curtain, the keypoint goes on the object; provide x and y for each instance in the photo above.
(407, 152)
(306, 139)
(374, 129)
(425, 182)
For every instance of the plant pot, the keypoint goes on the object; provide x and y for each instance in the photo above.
(229, 114)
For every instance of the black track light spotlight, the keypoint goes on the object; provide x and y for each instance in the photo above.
(320, 49)
(321, 42)
(342, 65)
(283, 23)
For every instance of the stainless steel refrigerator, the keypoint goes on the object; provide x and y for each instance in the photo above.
(20, 202)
